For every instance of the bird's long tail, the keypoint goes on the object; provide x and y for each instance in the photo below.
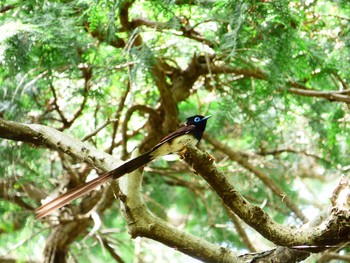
(75, 193)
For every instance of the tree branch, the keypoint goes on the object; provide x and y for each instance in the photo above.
(6, 8)
(115, 41)
(142, 108)
(69, 229)
(112, 251)
(141, 222)
(332, 230)
(237, 157)
(186, 31)
(240, 230)
(329, 95)
(57, 108)
(42, 135)
(117, 116)
(5, 186)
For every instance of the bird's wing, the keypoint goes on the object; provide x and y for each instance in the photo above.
(181, 131)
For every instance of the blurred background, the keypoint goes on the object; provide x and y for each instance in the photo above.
(122, 74)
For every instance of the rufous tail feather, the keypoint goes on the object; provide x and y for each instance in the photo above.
(81, 190)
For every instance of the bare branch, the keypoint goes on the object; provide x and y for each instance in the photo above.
(142, 108)
(57, 108)
(329, 95)
(112, 251)
(240, 230)
(184, 30)
(117, 116)
(6, 8)
(332, 230)
(5, 193)
(237, 157)
(51, 138)
(98, 129)
(141, 222)
(87, 75)
(290, 150)
(126, 24)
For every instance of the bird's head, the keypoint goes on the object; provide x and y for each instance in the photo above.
(198, 120)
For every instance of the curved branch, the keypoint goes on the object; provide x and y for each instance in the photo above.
(332, 230)
(65, 232)
(329, 95)
(237, 157)
(142, 108)
(5, 185)
(115, 41)
(87, 75)
(141, 222)
(196, 69)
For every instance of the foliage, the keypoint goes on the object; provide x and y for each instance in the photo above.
(274, 74)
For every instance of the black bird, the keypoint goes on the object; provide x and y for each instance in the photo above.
(190, 134)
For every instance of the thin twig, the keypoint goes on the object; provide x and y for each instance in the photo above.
(117, 116)
(98, 129)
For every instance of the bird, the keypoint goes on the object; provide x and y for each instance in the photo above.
(190, 134)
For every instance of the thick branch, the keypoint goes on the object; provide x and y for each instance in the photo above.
(141, 222)
(18, 132)
(168, 103)
(126, 24)
(333, 230)
(237, 157)
(101, 36)
(42, 135)
(277, 255)
(6, 8)
(64, 233)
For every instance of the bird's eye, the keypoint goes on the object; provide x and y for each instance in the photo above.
(197, 119)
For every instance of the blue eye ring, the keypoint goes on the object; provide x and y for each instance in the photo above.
(197, 119)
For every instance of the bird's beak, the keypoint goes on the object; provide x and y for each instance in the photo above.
(206, 117)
